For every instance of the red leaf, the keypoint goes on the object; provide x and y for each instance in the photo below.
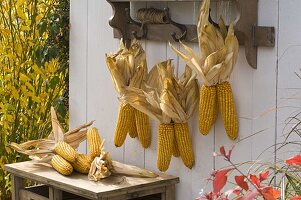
(222, 150)
(296, 160)
(255, 180)
(263, 175)
(267, 196)
(295, 198)
(240, 180)
(230, 152)
(237, 191)
(220, 179)
(270, 193)
(276, 193)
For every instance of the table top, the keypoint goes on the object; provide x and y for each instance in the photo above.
(79, 183)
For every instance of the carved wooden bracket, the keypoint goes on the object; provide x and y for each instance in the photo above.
(248, 33)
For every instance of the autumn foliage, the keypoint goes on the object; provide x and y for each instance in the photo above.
(247, 186)
(34, 72)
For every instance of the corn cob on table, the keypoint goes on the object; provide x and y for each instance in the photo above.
(77, 186)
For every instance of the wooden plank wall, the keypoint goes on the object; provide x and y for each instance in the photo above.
(262, 96)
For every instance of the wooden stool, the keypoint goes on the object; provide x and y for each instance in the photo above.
(77, 186)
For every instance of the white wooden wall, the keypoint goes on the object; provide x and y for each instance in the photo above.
(261, 95)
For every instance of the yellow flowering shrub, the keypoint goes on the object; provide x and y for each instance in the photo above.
(33, 75)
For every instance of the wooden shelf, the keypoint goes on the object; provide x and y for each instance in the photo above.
(248, 33)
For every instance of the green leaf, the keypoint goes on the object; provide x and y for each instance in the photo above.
(54, 81)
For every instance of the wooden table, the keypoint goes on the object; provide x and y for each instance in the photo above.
(77, 186)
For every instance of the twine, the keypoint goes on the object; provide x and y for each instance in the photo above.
(151, 15)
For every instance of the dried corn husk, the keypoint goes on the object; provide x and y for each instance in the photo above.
(127, 66)
(103, 166)
(148, 98)
(179, 97)
(219, 50)
(42, 150)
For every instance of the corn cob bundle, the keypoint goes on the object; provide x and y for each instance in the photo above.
(94, 142)
(82, 164)
(128, 68)
(179, 100)
(147, 100)
(42, 150)
(61, 165)
(66, 151)
(219, 51)
(168, 100)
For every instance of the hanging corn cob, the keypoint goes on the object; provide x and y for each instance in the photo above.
(168, 100)
(219, 51)
(128, 68)
(142, 125)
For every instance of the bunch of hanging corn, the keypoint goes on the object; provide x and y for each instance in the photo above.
(219, 51)
(128, 68)
(171, 102)
(179, 100)
(147, 100)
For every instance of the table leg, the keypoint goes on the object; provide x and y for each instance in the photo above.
(55, 194)
(170, 192)
(18, 184)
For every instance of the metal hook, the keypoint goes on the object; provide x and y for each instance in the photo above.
(144, 32)
(182, 27)
(142, 26)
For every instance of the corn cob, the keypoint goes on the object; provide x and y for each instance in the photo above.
(165, 146)
(184, 144)
(66, 151)
(143, 128)
(175, 148)
(61, 165)
(133, 132)
(125, 118)
(82, 164)
(227, 108)
(207, 108)
(94, 142)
